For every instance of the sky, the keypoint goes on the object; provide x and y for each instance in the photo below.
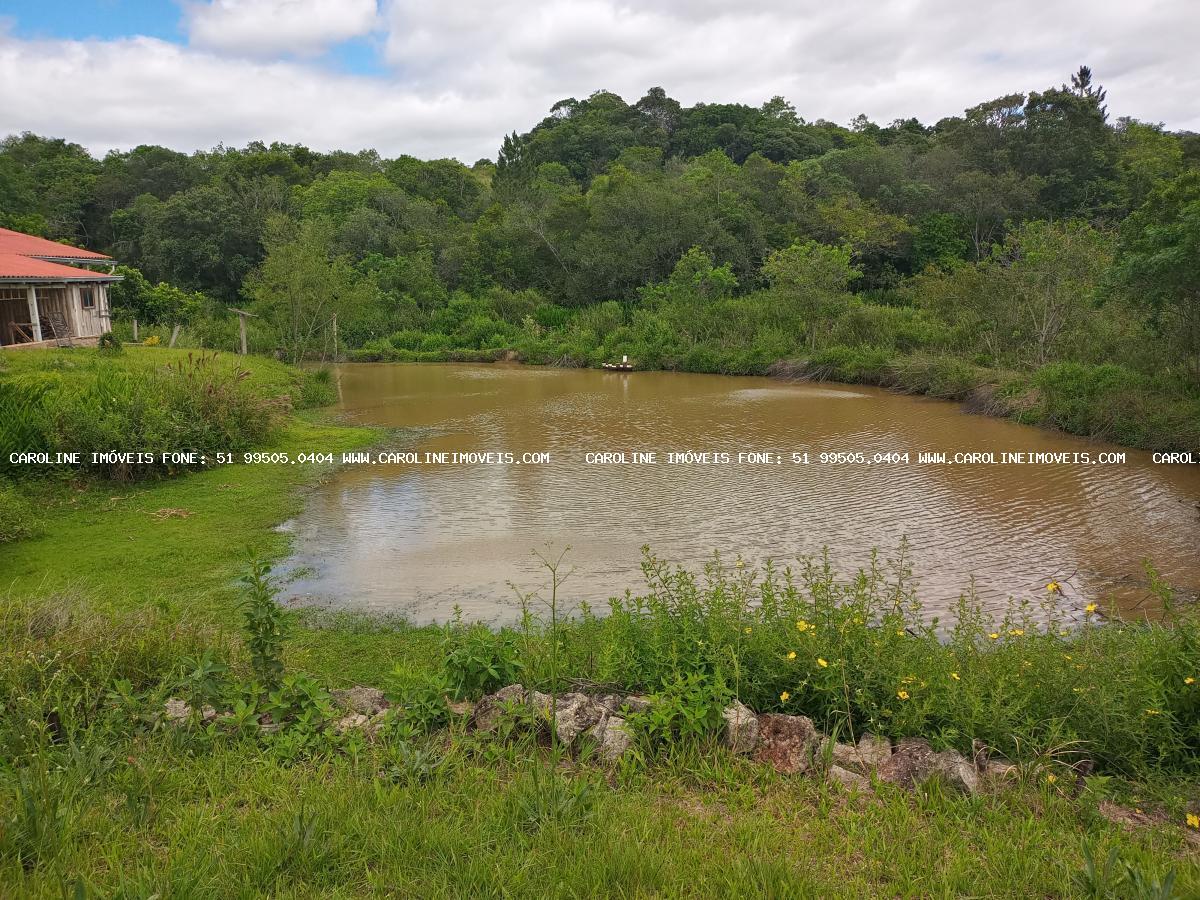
(450, 78)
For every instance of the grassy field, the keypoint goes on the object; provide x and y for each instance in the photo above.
(130, 594)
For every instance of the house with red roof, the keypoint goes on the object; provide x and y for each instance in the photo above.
(52, 294)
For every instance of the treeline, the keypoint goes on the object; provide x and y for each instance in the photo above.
(990, 249)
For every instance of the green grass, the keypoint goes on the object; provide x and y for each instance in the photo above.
(224, 820)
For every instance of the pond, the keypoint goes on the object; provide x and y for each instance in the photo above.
(418, 539)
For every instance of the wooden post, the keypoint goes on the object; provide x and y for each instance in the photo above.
(174, 336)
(135, 337)
(241, 313)
(34, 319)
(335, 337)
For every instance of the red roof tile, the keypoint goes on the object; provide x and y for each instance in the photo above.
(28, 245)
(13, 266)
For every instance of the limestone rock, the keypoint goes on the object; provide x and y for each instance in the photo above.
(848, 779)
(350, 722)
(610, 703)
(1000, 770)
(362, 700)
(741, 728)
(177, 712)
(874, 750)
(460, 707)
(915, 762)
(864, 757)
(488, 710)
(635, 703)
(957, 771)
(785, 742)
(910, 765)
(612, 736)
(575, 714)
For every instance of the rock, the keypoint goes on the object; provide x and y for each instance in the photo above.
(910, 765)
(350, 722)
(610, 703)
(635, 703)
(848, 779)
(1000, 770)
(785, 742)
(177, 711)
(874, 750)
(207, 715)
(957, 771)
(864, 757)
(365, 701)
(460, 707)
(741, 728)
(576, 717)
(612, 736)
(915, 762)
(844, 755)
(539, 703)
(488, 710)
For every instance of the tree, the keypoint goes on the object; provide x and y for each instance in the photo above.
(810, 280)
(299, 288)
(1159, 264)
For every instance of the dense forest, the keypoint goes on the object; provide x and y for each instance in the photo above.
(1030, 255)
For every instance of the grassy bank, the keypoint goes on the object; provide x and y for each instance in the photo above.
(128, 594)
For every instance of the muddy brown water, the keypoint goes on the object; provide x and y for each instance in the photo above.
(419, 539)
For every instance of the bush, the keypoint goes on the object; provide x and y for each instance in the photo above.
(192, 403)
(857, 654)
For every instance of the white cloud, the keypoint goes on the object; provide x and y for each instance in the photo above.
(462, 74)
(268, 27)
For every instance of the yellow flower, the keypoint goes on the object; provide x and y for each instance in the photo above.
(792, 655)
(1193, 820)
(784, 696)
(1090, 608)
(1051, 778)
(1016, 632)
(1077, 690)
(740, 564)
(801, 625)
(1064, 632)
(899, 632)
(1053, 586)
(954, 675)
(858, 620)
(1189, 680)
(903, 695)
(1152, 712)
(1066, 656)
(748, 629)
(822, 663)
(994, 635)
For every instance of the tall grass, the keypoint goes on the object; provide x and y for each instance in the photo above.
(191, 403)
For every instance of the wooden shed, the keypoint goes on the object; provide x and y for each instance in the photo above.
(49, 295)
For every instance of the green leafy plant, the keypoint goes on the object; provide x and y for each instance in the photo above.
(686, 708)
(264, 624)
(479, 660)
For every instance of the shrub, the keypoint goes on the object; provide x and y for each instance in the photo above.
(479, 660)
(192, 403)
(857, 654)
